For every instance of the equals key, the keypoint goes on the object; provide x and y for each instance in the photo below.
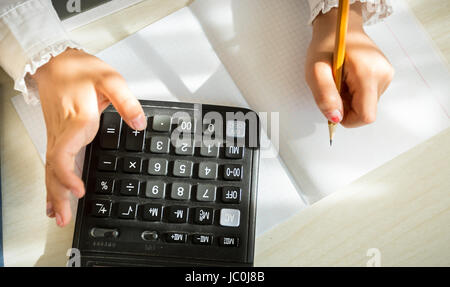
(110, 129)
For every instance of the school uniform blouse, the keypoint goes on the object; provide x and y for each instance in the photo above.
(31, 33)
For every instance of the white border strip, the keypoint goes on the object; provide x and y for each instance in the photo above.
(96, 13)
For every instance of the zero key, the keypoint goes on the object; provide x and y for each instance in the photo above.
(110, 130)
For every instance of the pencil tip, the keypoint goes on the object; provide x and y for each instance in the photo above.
(331, 142)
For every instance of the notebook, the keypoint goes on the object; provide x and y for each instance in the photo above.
(251, 54)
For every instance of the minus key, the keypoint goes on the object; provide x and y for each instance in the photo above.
(107, 163)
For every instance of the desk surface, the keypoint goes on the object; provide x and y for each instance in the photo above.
(402, 208)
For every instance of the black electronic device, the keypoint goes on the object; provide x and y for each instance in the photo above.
(180, 193)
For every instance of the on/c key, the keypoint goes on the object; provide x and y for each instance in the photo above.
(110, 130)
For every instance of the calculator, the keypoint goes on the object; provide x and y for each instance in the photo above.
(180, 193)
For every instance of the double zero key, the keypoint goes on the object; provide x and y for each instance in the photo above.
(232, 172)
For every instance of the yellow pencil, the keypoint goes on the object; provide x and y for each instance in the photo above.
(339, 53)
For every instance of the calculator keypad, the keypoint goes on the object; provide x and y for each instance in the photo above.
(145, 189)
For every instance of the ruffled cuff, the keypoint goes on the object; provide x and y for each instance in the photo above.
(372, 11)
(25, 83)
(30, 35)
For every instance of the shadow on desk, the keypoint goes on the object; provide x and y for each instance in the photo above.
(58, 241)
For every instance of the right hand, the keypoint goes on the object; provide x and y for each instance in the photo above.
(74, 89)
(367, 72)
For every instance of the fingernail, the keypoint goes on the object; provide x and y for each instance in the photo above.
(50, 212)
(335, 116)
(59, 221)
(139, 123)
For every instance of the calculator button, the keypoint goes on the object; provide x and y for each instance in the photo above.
(129, 187)
(202, 239)
(132, 164)
(207, 170)
(232, 172)
(127, 210)
(151, 212)
(209, 150)
(229, 241)
(160, 145)
(182, 168)
(176, 237)
(206, 192)
(107, 163)
(234, 152)
(230, 217)
(157, 166)
(161, 123)
(110, 130)
(104, 185)
(209, 128)
(203, 215)
(235, 129)
(186, 124)
(180, 191)
(155, 189)
(231, 194)
(134, 140)
(185, 147)
(101, 208)
(104, 232)
(149, 235)
(177, 214)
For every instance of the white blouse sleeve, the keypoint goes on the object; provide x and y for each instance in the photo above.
(372, 10)
(30, 34)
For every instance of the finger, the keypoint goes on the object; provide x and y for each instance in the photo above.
(116, 89)
(49, 208)
(362, 104)
(320, 80)
(58, 200)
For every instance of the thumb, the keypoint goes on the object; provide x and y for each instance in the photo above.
(116, 89)
(321, 82)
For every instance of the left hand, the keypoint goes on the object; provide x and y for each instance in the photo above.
(74, 89)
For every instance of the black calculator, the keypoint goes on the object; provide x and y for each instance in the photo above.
(180, 193)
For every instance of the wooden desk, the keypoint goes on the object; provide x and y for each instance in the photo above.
(401, 208)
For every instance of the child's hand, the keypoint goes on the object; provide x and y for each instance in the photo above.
(74, 89)
(367, 73)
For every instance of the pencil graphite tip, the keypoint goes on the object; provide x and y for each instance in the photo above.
(331, 130)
